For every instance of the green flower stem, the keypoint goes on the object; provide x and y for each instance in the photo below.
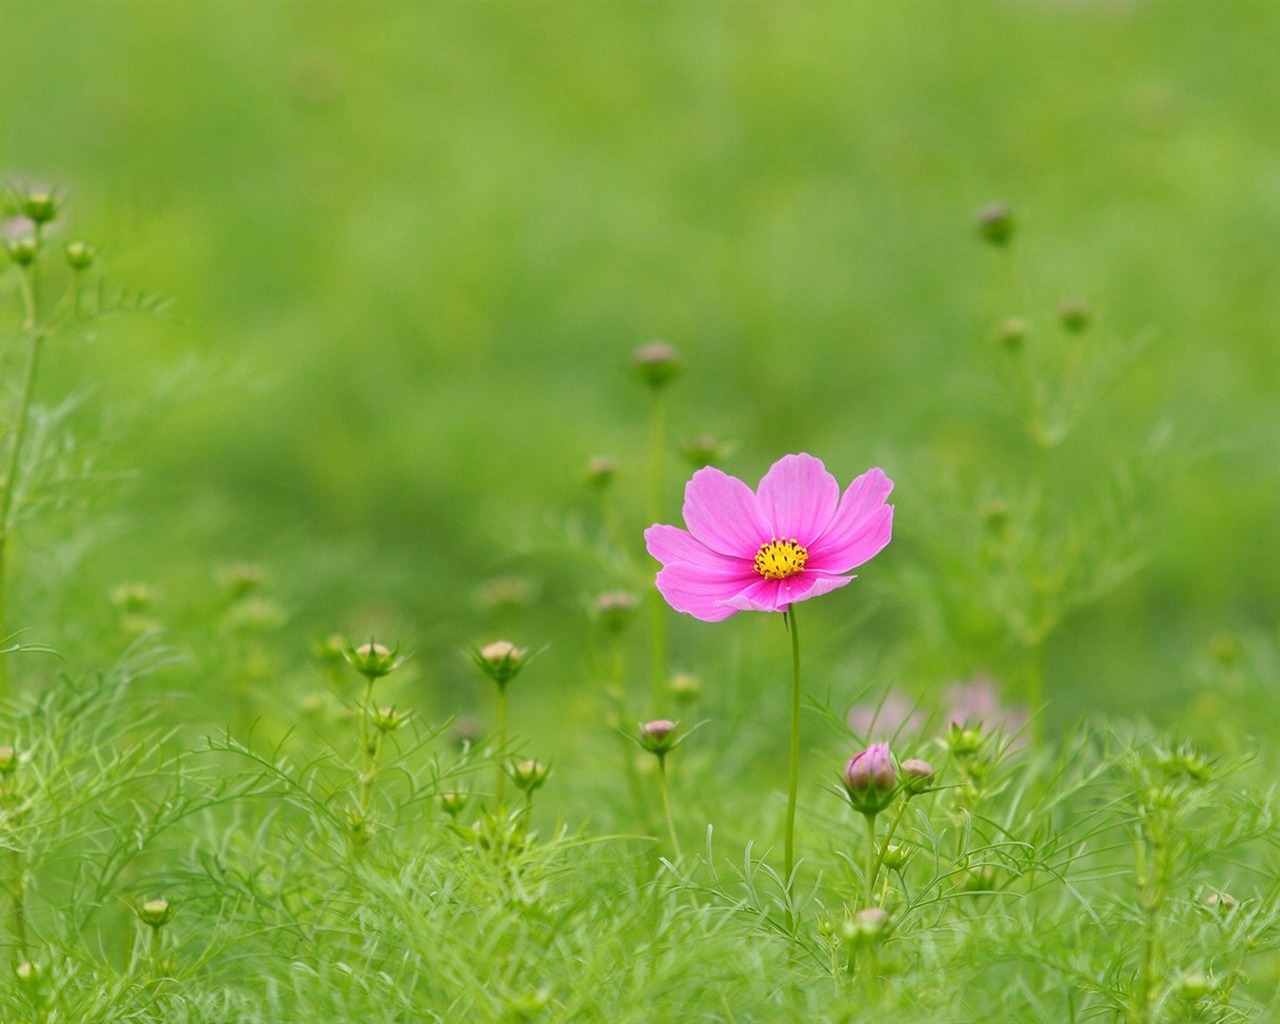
(884, 846)
(369, 749)
(793, 784)
(873, 861)
(500, 786)
(657, 605)
(9, 485)
(666, 806)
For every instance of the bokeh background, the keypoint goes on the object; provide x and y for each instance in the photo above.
(410, 248)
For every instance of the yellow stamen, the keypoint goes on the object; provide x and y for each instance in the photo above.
(779, 559)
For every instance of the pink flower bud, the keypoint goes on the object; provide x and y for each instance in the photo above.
(869, 778)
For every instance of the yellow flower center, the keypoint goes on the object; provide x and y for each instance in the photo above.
(779, 559)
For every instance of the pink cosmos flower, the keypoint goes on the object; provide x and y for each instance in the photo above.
(793, 538)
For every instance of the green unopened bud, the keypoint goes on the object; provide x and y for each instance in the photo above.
(8, 760)
(658, 736)
(964, 741)
(388, 719)
(1195, 985)
(501, 661)
(995, 223)
(372, 660)
(453, 802)
(155, 913)
(870, 925)
(80, 255)
(329, 649)
(27, 972)
(240, 579)
(895, 857)
(616, 609)
(656, 363)
(917, 775)
(21, 241)
(1012, 333)
(529, 1005)
(528, 774)
(704, 450)
(684, 687)
(41, 205)
(1075, 315)
(132, 598)
(600, 472)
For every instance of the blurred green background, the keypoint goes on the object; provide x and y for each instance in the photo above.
(412, 245)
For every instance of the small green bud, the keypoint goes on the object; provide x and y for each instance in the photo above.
(240, 579)
(656, 363)
(528, 774)
(1012, 333)
(388, 719)
(600, 472)
(501, 661)
(80, 255)
(453, 802)
(704, 450)
(132, 598)
(995, 517)
(8, 760)
(27, 972)
(1222, 902)
(964, 741)
(917, 776)
(530, 1004)
(684, 687)
(1195, 985)
(868, 926)
(616, 609)
(995, 223)
(658, 736)
(41, 205)
(1075, 315)
(372, 660)
(155, 913)
(1226, 648)
(896, 857)
(329, 649)
(20, 240)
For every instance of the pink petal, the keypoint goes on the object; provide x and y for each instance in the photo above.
(702, 595)
(862, 526)
(670, 545)
(723, 513)
(778, 595)
(798, 497)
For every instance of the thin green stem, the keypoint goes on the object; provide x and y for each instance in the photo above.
(657, 606)
(793, 782)
(884, 846)
(873, 860)
(666, 806)
(369, 749)
(500, 786)
(13, 463)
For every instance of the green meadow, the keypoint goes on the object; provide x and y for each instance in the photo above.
(326, 363)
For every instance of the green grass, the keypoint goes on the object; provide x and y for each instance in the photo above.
(368, 281)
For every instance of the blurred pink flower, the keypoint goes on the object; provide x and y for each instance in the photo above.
(793, 538)
(895, 714)
(977, 702)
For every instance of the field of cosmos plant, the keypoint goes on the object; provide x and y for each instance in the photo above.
(600, 512)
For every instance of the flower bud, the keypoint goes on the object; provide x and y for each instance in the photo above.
(20, 240)
(1195, 985)
(1012, 333)
(995, 223)
(528, 774)
(895, 857)
(684, 687)
(1075, 315)
(388, 719)
(500, 661)
(616, 609)
(658, 736)
(600, 472)
(1223, 902)
(656, 363)
(155, 913)
(453, 802)
(917, 775)
(8, 760)
(27, 972)
(869, 779)
(40, 204)
(964, 741)
(704, 450)
(867, 927)
(241, 579)
(372, 660)
(80, 255)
